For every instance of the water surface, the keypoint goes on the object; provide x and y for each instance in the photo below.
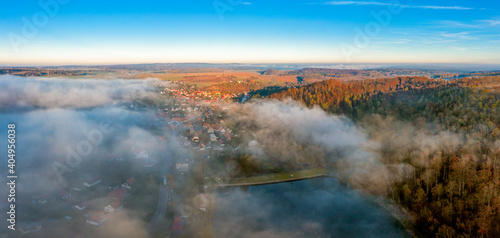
(318, 207)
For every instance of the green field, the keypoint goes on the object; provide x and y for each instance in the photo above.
(277, 177)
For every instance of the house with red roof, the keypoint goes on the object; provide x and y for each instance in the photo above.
(97, 218)
(216, 127)
(178, 225)
(130, 180)
(119, 193)
(115, 206)
(128, 183)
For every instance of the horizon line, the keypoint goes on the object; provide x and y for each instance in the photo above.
(236, 63)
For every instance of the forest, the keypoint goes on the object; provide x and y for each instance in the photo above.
(442, 136)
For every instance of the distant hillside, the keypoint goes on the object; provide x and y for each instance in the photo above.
(44, 72)
(271, 72)
(317, 74)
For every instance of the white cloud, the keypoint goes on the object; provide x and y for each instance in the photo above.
(491, 22)
(459, 35)
(362, 3)
(455, 24)
(397, 41)
(437, 41)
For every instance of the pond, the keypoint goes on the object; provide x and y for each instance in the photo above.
(320, 207)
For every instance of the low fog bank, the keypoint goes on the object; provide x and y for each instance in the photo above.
(69, 131)
(19, 92)
(309, 208)
(370, 155)
(287, 136)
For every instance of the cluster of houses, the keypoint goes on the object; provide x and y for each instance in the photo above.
(85, 200)
(115, 198)
(217, 136)
(193, 118)
(207, 96)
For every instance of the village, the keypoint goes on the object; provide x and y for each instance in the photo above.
(159, 192)
(198, 120)
(205, 96)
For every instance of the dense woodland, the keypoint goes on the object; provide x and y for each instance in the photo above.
(442, 136)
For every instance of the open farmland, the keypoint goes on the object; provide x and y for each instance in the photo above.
(216, 77)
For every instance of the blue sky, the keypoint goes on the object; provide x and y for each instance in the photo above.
(249, 31)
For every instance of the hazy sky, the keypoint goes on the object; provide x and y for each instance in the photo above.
(249, 31)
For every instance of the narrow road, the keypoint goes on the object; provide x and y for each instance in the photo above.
(158, 220)
(161, 209)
